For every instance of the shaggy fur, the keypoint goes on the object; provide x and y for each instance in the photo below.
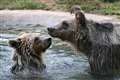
(100, 42)
(28, 52)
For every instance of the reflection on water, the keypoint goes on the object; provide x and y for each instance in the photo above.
(61, 63)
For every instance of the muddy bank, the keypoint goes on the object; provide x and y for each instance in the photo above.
(46, 18)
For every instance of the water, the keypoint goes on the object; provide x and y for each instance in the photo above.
(61, 62)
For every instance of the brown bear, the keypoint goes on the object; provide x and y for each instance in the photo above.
(28, 51)
(100, 42)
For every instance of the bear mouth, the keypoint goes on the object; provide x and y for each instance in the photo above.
(49, 41)
(52, 32)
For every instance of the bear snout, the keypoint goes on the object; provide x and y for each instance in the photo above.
(49, 41)
(50, 29)
(52, 32)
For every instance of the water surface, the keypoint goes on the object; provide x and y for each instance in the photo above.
(61, 62)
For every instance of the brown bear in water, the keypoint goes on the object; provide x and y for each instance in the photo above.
(28, 51)
(100, 42)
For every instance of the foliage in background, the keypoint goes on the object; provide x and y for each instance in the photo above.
(109, 0)
(93, 6)
(108, 7)
(21, 4)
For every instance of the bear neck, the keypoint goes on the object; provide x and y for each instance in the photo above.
(80, 40)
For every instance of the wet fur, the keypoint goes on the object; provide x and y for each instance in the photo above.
(100, 42)
(28, 54)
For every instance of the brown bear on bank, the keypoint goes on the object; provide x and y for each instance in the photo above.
(28, 51)
(100, 42)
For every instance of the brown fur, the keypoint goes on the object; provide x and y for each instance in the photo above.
(28, 51)
(100, 42)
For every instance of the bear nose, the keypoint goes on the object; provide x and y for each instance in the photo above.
(50, 29)
(49, 39)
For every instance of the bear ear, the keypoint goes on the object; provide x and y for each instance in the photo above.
(13, 43)
(80, 19)
(36, 39)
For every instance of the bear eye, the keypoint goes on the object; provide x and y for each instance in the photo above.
(18, 40)
(37, 40)
(65, 25)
